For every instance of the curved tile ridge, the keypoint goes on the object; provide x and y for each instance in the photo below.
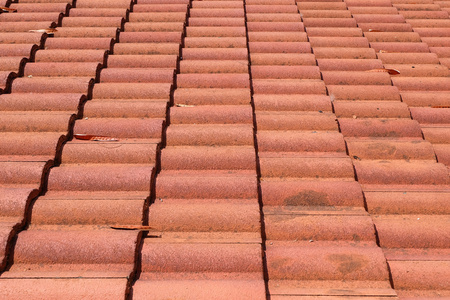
(35, 14)
(81, 203)
(17, 49)
(405, 167)
(321, 240)
(32, 131)
(433, 108)
(206, 203)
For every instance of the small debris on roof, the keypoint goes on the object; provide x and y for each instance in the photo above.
(7, 9)
(132, 227)
(95, 138)
(390, 71)
(49, 31)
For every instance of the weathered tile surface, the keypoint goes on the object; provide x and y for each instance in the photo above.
(277, 149)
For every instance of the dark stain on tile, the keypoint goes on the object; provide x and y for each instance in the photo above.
(348, 263)
(307, 197)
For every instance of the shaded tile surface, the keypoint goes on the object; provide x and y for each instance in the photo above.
(206, 206)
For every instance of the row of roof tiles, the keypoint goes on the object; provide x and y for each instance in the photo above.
(79, 186)
(302, 166)
(208, 170)
(365, 170)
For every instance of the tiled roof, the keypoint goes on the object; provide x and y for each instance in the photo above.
(278, 149)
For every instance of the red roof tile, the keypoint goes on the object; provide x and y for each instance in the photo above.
(288, 86)
(368, 3)
(34, 17)
(326, 260)
(407, 202)
(209, 135)
(215, 54)
(283, 102)
(200, 289)
(353, 42)
(288, 36)
(296, 121)
(412, 231)
(73, 288)
(211, 96)
(213, 66)
(25, 26)
(344, 53)
(209, 115)
(421, 284)
(290, 141)
(80, 43)
(49, 69)
(213, 81)
(329, 22)
(273, 17)
(65, 260)
(400, 172)
(385, 27)
(274, 26)
(103, 4)
(289, 166)
(32, 144)
(215, 42)
(310, 5)
(51, 84)
(206, 185)
(356, 78)
(124, 153)
(282, 59)
(160, 7)
(379, 128)
(199, 215)
(411, 149)
(408, 58)
(216, 21)
(367, 92)
(332, 31)
(23, 50)
(371, 109)
(98, 12)
(131, 75)
(69, 55)
(197, 258)
(268, 9)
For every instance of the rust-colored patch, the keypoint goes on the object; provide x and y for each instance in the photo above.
(356, 238)
(383, 148)
(348, 263)
(283, 265)
(306, 198)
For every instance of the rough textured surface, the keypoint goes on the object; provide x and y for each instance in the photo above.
(107, 168)
(267, 148)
